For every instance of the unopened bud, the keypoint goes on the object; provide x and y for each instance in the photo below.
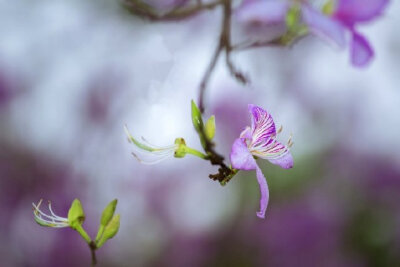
(196, 118)
(76, 216)
(108, 212)
(110, 230)
(209, 130)
(180, 150)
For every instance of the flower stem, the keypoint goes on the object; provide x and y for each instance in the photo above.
(195, 152)
(83, 233)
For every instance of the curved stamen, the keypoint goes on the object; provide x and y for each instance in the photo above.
(53, 214)
(157, 147)
(151, 162)
(47, 220)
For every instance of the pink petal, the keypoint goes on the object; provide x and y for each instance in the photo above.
(240, 156)
(246, 133)
(352, 11)
(323, 26)
(361, 50)
(262, 124)
(268, 12)
(264, 192)
(285, 161)
(274, 151)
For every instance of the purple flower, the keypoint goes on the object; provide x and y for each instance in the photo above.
(344, 15)
(266, 12)
(331, 24)
(259, 141)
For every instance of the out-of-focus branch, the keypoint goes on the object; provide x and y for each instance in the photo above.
(93, 248)
(207, 75)
(142, 9)
(255, 44)
(286, 40)
(224, 44)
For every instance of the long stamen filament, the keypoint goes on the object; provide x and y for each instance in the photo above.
(47, 220)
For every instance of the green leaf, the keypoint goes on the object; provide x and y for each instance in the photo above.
(210, 128)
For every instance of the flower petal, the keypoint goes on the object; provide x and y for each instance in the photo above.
(262, 124)
(240, 156)
(361, 50)
(352, 11)
(285, 161)
(264, 192)
(268, 12)
(274, 151)
(246, 133)
(323, 26)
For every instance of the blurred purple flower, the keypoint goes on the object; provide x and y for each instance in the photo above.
(266, 12)
(338, 16)
(344, 15)
(259, 140)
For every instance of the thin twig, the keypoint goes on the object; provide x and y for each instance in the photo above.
(255, 44)
(287, 40)
(207, 75)
(93, 248)
(225, 173)
(224, 44)
(144, 10)
(228, 46)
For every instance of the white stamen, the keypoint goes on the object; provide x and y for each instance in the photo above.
(279, 130)
(47, 220)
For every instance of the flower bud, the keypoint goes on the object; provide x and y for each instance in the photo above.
(108, 212)
(110, 230)
(209, 130)
(180, 151)
(76, 216)
(292, 17)
(196, 118)
(329, 7)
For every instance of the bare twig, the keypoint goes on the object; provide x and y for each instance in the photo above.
(256, 44)
(144, 10)
(207, 75)
(287, 40)
(224, 44)
(93, 248)
(225, 173)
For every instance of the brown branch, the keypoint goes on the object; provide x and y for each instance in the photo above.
(225, 173)
(145, 10)
(287, 40)
(256, 44)
(224, 44)
(93, 247)
(207, 75)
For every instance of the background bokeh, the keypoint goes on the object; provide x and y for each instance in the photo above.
(72, 73)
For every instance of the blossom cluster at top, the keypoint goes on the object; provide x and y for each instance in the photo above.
(330, 20)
